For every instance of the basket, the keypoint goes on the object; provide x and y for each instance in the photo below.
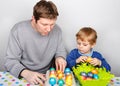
(104, 76)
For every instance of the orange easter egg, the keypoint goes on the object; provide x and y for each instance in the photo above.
(60, 75)
(94, 71)
(89, 59)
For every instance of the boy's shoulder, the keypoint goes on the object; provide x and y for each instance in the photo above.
(96, 53)
(74, 50)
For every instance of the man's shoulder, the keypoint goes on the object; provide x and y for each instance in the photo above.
(20, 25)
(57, 27)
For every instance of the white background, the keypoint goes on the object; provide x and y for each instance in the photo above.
(102, 15)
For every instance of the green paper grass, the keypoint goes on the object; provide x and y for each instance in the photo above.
(104, 76)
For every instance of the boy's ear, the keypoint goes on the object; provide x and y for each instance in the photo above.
(93, 45)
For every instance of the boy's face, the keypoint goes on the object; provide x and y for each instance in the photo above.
(84, 46)
(44, 25)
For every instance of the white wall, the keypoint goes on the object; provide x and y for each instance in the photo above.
(103, 15)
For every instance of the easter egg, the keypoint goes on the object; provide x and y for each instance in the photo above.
(58, 72)
(67, 70)
(69, 76)
(60, 82)
(52, 69)
(52, 81)
(52, 72)
(90, 74)
(95, 76)
(89, 59)
(94, 71)
(89, 78)
(68, 82)
(83, 74)
(83, 77)
(60, 75)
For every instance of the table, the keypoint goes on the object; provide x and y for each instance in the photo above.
(6, 79)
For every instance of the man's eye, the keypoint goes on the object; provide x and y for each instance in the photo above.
(44, 24)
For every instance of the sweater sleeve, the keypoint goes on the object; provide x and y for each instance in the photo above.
(61, 51)
(13, 55)
(104, 63)
(71, 59)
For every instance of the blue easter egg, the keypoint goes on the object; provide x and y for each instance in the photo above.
(83, 74)
(90, 74)
(60, 82)
(52, 81)
(67, 70)
(95, 76)
(52, 69)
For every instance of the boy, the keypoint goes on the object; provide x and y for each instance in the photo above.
(86, 40)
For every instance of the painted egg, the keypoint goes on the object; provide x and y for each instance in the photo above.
(52, 72)
(90, 74)
(89, 59)
(94, 71)
(95, 76)
(68, 82)
(89, 78)
(52, 81)
(52, 69)
(60, 82)
(52, 75)
(83, 77)
(60, 75)
(83, 74)
(67, 70)
(58, 72)
(69, 76)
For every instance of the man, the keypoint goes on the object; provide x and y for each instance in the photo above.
(33, 44)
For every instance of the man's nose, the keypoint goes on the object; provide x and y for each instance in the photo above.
(48, 28)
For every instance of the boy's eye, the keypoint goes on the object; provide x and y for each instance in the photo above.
(78, 43)
(85, 44)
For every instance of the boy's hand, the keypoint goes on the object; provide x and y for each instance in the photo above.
(95, 62)
(81, 59)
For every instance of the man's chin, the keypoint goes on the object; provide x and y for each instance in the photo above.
(44, 34)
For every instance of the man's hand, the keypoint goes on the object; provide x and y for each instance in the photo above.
(60, 63)
(33, 77)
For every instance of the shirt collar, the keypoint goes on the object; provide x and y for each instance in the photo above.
(89, 54)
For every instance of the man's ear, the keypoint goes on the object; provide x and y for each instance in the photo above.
(33, 18)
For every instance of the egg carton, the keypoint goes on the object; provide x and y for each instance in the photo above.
(48, 77)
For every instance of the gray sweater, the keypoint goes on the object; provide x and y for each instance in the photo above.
(27, 48)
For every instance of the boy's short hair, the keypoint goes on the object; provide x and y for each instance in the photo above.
(45, 9)
(87, 34)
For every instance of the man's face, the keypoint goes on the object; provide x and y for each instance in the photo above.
(44, 25)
